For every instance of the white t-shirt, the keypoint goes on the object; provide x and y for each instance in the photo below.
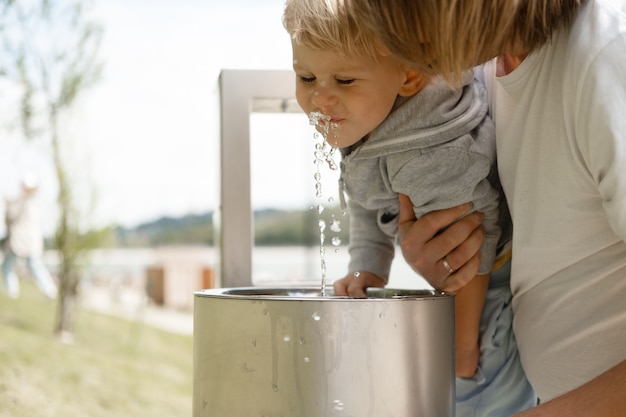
(561, 146)
(25, 237)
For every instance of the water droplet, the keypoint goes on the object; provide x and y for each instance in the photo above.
(302, 341)
(275, 387)
(322, 224)
(356, 274)
(338, 405)
(331, 199)
(336, 241)
(381, 316)
(307, 360)
(335, 225)
(320, 208)
(254, 343)
(316, 316)
(265, 311)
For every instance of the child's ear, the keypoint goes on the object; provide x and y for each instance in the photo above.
(412, 84)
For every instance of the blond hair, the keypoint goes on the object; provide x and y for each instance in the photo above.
(446, 37)
(325, 25)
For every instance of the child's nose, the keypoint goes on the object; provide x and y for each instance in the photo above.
(323, 97)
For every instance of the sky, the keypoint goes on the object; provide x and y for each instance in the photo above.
(147, 135)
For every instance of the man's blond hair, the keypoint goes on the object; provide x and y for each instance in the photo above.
(446, 37)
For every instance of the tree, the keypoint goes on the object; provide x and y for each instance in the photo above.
(51, 50)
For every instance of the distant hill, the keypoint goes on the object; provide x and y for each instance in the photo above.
(273, 227)
(193, 229)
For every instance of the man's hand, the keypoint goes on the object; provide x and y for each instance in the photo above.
(442, 235)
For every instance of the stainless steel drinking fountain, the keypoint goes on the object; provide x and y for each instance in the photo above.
(291, 352)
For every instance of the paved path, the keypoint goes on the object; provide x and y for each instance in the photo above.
(133, 305)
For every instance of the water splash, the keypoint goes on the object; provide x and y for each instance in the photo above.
(324, 152)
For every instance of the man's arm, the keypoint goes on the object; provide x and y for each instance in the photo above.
(603, 396)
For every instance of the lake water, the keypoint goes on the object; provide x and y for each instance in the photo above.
(270, 265)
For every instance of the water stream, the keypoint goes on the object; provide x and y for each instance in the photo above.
(324, 154)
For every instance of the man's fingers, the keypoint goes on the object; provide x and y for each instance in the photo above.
(469, 248)
(458, 279)
(414, 233)
(439, 220)
(406, 210)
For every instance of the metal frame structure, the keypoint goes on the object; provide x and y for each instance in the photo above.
(239, 90)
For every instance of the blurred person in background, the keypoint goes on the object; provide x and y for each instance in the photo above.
(25, 240)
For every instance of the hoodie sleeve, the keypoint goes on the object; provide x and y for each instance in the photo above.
(370, 248)
(449, 175)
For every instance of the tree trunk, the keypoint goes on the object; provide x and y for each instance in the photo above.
(68, 297)
(66, 244)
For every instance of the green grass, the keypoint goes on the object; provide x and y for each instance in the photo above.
(114, 367)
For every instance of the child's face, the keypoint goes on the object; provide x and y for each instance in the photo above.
(357, 92)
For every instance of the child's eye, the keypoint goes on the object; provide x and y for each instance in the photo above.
(306, 80)
(345, 82)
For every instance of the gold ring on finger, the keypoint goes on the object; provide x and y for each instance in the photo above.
(446, 265)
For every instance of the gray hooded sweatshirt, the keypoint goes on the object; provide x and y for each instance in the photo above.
(437, 147)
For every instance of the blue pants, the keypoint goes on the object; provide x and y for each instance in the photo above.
(40, 274)
(500, 387)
